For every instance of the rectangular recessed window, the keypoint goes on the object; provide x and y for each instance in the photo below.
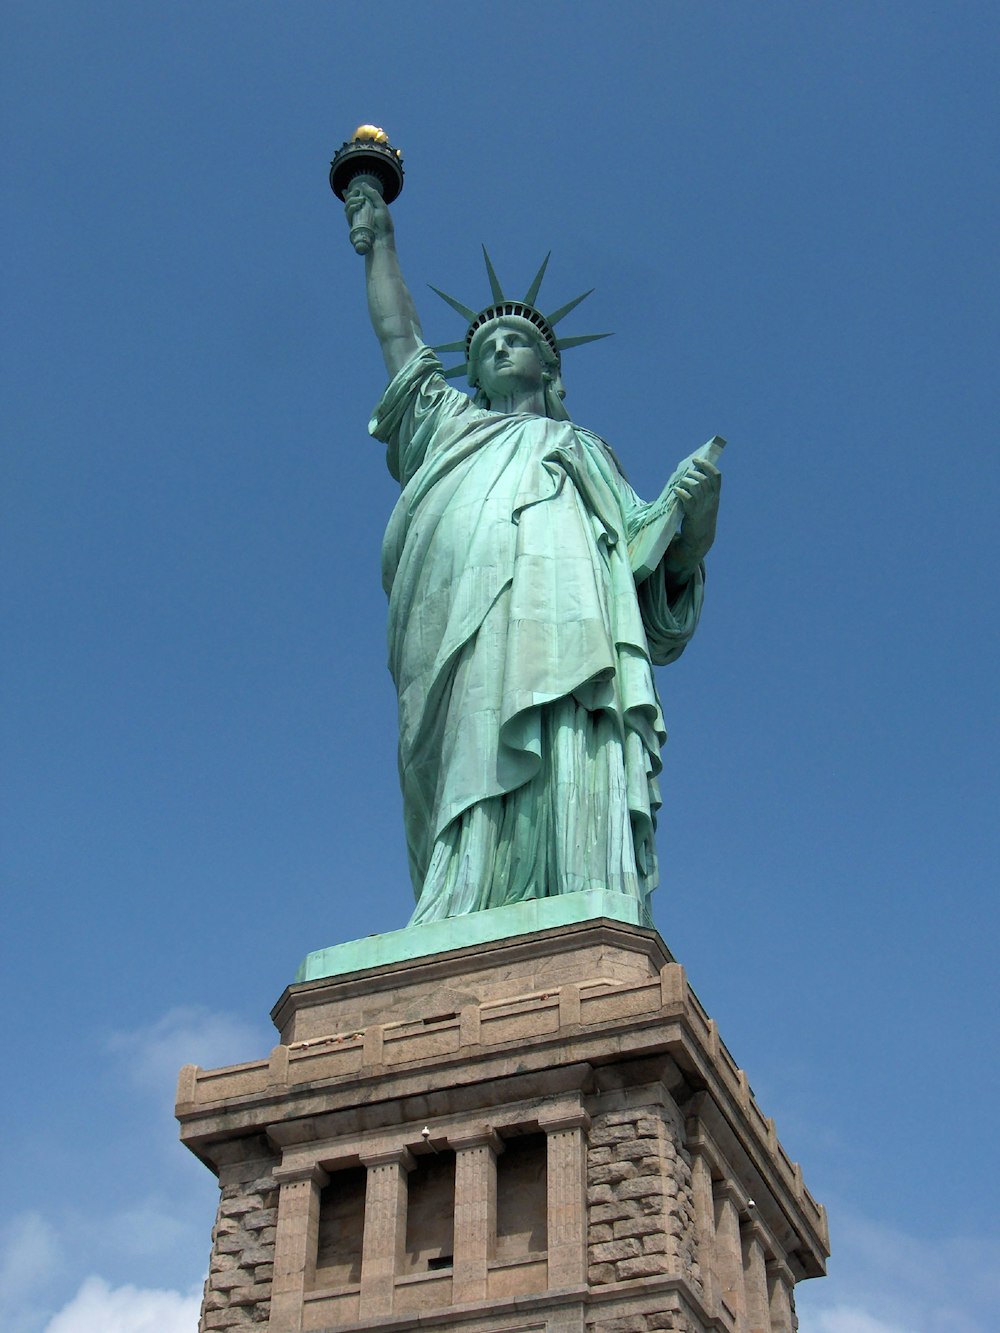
(522, 1202)
(341, 1228)
(430, 1213)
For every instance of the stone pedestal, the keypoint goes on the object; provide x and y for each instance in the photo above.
(536, 1135)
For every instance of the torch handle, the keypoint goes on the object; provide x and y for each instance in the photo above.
(363, 223)
(362, 232)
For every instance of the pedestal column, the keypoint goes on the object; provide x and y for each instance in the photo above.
(475, 1212)
(295, 1244)
(704, 1221)
(728, 1247)
(566, 1153)
(780, 1283)
(385, 1229)
(755, 1279)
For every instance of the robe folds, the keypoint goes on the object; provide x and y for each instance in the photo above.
(522, 651)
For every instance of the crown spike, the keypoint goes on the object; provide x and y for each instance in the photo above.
(455, 371)
(532, 293)
(564, 310)
(463, 310)
(495, 287)
(563, 343)
(450, 347)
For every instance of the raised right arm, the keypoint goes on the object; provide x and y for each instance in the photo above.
(390, 305)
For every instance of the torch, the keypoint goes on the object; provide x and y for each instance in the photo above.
(369, 158)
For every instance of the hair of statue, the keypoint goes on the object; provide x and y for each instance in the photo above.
(511, 310)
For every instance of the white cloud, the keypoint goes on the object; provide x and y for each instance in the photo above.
(36, 1275)
(30, 1250)
(151, 1227)
(100, 1308)
(849, 1319)
(885, 1280)
(133, 1211)
(189, 1034)
(29, 1254)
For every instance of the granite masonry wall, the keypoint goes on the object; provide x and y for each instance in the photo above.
(238, 1287)
(663, 1321)
(640, 1206)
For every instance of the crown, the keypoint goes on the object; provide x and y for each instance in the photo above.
(502, 307)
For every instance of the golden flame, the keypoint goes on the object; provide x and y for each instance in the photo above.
(372, 133)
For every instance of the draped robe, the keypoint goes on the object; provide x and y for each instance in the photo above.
(522, 651)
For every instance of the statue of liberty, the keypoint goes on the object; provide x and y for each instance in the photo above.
(525, 610)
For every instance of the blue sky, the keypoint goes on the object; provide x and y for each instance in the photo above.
(789, 215)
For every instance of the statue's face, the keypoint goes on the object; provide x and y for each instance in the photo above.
(509, 362)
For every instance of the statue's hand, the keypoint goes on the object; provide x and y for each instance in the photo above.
(698, 492)
(361, 195)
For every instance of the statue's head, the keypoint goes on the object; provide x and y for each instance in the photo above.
(504, 346)
(536, 328)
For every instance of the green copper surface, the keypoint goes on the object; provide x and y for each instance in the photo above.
(498, 923)
(531, 593)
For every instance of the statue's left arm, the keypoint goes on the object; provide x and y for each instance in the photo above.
(698, 492)
(670, 590)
